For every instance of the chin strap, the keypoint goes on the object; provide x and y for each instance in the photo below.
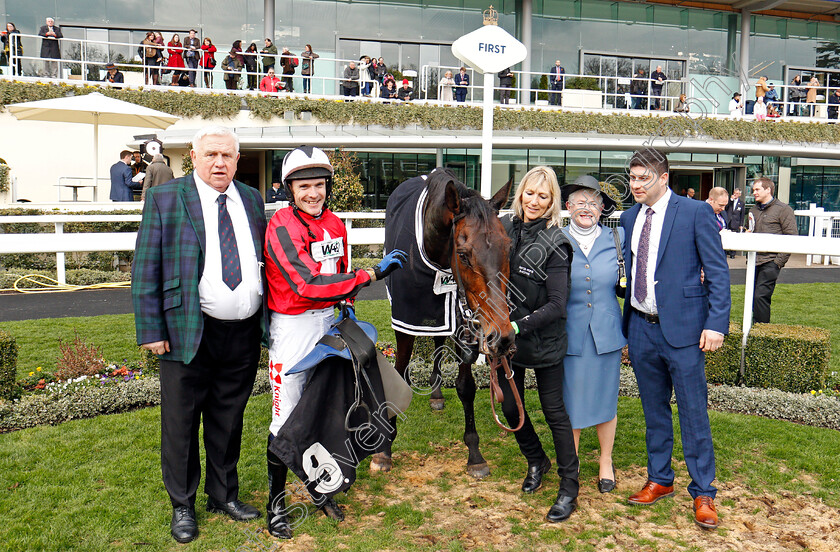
(303, 222)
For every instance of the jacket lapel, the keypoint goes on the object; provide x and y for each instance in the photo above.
(631, 215)
(667, 224)
(192, 203)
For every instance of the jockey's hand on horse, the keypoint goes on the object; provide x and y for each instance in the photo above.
(389, 263)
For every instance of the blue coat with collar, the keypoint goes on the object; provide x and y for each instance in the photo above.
(690, 241)
(597, 311)
(169, 261)
(121, 184)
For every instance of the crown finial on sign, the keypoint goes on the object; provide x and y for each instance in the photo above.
(491, 16)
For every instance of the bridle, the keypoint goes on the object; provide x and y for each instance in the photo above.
(473, 336)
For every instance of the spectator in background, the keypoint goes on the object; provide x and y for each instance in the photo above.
(176, 58)
(288, 62)
(365, 75)
(351, 80)
(682, 105)
(270, 82)
(389, 90)
(11, 47)
(760, 109)
(234, 65)
(657, 81)
(796, 95)
(121, 175)
(446, 84)
(406, 92)
(769, 216)
(505, 84)
(192, 53)
(381, 70)
(719, 199)
(772, 96)
(638, 90)
(208, 61)
(150, 58)
(114, 76)
(555, 78)
(307, 69)
(462, 81)
(51, 34)
(157, 173)
(138, 165)
(250, 57)
(735, 214)
(160, 46)
(275, 193)
(761, 88)
(811, 95)
(268, 53)
(689, 193)
(736, 106)
(833, 104)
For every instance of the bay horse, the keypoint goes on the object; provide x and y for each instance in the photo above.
(446, 226)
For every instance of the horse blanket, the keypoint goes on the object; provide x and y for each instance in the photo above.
(426, 295)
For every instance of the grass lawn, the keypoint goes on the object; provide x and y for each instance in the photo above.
(95, 484)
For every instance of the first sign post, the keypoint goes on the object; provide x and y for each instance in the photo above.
(488, 50)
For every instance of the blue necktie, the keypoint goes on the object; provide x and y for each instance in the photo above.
(640, 284)
(231, 271)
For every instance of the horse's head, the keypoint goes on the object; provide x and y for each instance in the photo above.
(478, 253)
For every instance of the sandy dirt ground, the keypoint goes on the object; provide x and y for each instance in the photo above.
(495, 515)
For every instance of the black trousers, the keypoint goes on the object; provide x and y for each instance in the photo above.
(765, 282)
(216, 385)
(550, 390)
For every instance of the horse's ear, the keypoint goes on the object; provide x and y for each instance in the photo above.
(500, 198)
(452, 198)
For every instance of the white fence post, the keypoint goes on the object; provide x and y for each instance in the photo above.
(59, 257)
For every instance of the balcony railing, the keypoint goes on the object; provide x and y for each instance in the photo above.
(85, 60)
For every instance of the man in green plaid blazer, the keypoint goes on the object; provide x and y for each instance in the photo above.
(205, 324)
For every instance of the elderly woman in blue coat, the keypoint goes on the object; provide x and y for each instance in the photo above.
(593, 357)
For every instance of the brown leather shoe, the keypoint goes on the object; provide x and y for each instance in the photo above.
(705, 514)
(650, 493)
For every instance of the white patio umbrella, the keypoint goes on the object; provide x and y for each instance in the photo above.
(94, 109)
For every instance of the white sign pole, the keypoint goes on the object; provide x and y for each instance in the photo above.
(489, 50)
(487, 137)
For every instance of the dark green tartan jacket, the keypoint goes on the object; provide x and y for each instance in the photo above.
(169, 261)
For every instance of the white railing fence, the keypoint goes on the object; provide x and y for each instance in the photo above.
(85, 60)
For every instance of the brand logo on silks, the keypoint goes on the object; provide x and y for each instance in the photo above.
(327, 249)
(489, 49)
(321, 467)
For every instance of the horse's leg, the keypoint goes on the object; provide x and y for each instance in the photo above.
(465, 384)
(436, 400)
(381, 460)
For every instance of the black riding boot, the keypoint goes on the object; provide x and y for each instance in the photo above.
(278, 522)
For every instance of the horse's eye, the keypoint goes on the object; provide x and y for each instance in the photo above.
(464, 257)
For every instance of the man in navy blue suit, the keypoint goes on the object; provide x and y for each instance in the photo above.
(121, 173)
(671, 318)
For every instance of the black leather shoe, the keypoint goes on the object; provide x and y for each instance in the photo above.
(236, 509)
(332, 510)
(533, 479)
(607, 485)
(183, 527)
(561, 509)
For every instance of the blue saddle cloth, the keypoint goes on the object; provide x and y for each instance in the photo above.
(330, 345)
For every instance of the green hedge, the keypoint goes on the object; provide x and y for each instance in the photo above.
(339, 112)
(789, 358)
(75, 277)
(8, 364)
(4, 178)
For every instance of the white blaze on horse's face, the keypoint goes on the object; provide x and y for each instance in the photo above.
(481, 259)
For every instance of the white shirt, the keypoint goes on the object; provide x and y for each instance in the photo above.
(656, 222)
(217, 299)
(735, 109)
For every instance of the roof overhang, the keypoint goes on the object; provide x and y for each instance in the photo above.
(809, 9)
(373, 137)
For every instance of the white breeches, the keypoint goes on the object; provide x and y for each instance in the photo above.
(293, 336)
